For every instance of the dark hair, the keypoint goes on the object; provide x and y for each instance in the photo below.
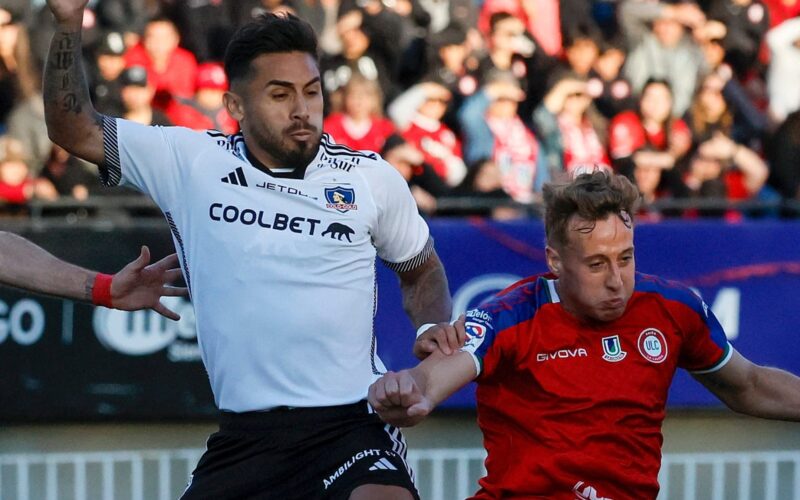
(590, 197)
(497, 18)
(582, 32)
(267, 34)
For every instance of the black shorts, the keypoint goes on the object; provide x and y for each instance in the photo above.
(300, 453)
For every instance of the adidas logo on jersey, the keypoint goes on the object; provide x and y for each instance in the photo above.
(383, 464)
(236, 178)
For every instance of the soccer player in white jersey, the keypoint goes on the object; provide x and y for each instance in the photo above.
(277, 229)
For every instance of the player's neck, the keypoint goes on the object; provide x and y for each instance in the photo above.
(260, 158)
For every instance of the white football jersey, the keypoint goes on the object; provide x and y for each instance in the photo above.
(280, 267)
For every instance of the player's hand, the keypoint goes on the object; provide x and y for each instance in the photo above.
(141, 286)
(67, 10)
(443, 337)
(398, 399)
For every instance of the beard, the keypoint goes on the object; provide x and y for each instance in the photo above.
(289, 152)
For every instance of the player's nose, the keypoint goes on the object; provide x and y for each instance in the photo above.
(614, 277)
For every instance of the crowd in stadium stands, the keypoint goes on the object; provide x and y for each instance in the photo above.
(482, 101)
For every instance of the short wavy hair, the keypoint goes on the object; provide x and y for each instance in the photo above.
(589, 197)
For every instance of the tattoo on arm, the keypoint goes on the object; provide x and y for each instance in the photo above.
(88, 288)
(71, 119)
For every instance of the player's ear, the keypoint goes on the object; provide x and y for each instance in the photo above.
(553, 260)
(233, 103)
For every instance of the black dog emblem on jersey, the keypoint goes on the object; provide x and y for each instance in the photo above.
(339, 231)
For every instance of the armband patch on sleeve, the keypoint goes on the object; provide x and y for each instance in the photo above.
(110, 170)
(413, 262)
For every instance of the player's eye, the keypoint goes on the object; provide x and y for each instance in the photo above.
(596, 265)
(280, 97)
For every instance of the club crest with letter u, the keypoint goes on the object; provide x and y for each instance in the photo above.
(612, 349)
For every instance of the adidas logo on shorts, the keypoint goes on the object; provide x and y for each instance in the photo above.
(383, 464)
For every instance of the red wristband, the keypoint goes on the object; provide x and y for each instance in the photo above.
(101, 291)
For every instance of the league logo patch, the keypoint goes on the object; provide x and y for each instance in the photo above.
(474, 330)
(653, 345)
(341, 199)
(476, 334)
(612, 349)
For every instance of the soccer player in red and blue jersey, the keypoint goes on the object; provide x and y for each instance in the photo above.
(573, 367)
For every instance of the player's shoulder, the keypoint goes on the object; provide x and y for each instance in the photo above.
(668, 290)
(518, 302)
(368, 164)
(334, 151)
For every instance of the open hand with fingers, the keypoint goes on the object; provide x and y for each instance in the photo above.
(399, 400)
(445, 337)
(141, 286)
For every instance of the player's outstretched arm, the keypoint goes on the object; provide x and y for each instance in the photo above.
(137, 286)
(72, 121)
(426, 300)
(760, 391)
(405, 398)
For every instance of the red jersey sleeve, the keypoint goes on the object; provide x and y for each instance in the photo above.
(704, 346)
(495, 327)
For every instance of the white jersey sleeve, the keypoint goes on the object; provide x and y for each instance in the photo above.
(402, 237)
(146, 158)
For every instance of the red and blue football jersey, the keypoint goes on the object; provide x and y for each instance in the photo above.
(571, 409)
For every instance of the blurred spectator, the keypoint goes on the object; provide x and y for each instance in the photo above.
(746, 22)
(659, 47)
(18, 72)
(424, 183)
(25, 121)
(493, 131)
(206, 111)
(172, 70)
(540, 18)
(16, 184)
(611, 91)
(127, 17)
(137, 97)
(509, 45)
(647, 175)
(357, 56)
(581, 49)
(68, 175)
(394, 24)
(784, 158)
(781, 10)
(567, 126)
(784, 69)
(205, 27)
(709, 113)
(109, 64)
(720, 168)
(651, 125)
(361, 124)
(750, 124)
(417, 113)
(321, 14)
(447, 12)
(484, 184)
(448, 65)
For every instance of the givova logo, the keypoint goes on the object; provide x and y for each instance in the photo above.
(140, 333)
